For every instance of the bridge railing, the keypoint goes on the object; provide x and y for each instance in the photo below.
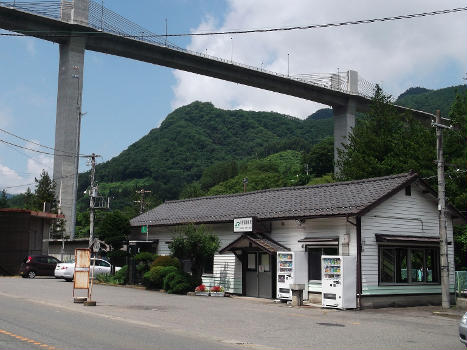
(108, 21)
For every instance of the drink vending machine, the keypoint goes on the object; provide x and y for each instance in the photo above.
(292, 268)
(339, 281)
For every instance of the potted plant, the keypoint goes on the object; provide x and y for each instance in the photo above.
(201, 290)
(217, 291)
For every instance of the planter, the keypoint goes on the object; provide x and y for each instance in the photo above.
(217, 294)
(202, 294)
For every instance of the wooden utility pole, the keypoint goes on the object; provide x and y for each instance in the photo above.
(442, 213)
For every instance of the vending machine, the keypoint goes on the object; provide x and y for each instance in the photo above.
(339, 281)
(292, 268)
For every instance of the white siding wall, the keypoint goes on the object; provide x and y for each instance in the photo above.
(228, 269)
(414, 215)
(289, 232)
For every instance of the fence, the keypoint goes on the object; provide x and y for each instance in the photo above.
(461, 283)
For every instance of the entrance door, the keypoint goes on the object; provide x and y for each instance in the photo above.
(258, 275)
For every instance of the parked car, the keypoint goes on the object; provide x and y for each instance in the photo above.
(463, 330)
(38, 265)
(67, 270)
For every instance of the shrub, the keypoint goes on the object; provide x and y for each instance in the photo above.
(145, 257)
(178, 283)
(166, 260)
(143, 262)
(155, 276)
(120, 277)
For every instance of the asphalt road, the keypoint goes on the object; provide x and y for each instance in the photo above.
(40, 314)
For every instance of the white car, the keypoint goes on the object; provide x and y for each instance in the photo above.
(67, 270)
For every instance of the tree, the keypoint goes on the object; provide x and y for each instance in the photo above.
(113, 229)
(196, 244)
(45, 192)
(3, 200)
(386, 142)
(29, 199)
(455, 149)
(320, 159)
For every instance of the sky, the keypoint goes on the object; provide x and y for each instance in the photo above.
(124, 99)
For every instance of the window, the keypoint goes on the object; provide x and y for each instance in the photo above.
(52, 260)
(314, 260)
(251, 261)
(408, 190)
(408, 265)
(264, 261)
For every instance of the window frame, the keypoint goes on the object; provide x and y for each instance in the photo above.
(408, 249)
(308, 248)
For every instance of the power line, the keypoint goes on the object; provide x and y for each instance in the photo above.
(33, 142)
(246, 31)
(327, 25)
(34, 150)
(33, 183)
(42, 152)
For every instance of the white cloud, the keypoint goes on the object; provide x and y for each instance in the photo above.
(11, 179)
(397, 54)
(38, 162)
(8, 178)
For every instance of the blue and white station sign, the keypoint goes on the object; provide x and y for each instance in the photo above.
(243, 225)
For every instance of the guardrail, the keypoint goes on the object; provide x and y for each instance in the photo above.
(107, 21)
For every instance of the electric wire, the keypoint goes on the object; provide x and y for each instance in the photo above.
(33, 183)
(33, 142)
(35, 150)
(245, 31)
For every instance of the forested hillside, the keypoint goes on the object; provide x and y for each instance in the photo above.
(431, 100)
(198, 135)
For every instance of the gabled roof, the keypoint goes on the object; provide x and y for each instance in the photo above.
(257, 240)
(334, 199)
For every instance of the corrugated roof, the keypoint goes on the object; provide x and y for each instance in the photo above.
(334, 199)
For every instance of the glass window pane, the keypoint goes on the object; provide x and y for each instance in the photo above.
(417, 271)
(401, 265)
(252, 261)
(432, 270)
(265, 262)
(387, 265)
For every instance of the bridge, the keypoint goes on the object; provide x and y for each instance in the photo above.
(79, 25)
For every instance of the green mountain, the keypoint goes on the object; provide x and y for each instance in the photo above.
(198, 135)
(431, 100)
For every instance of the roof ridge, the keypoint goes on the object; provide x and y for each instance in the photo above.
(294, 188)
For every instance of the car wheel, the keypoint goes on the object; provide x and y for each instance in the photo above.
(68, 279)
(31, 274)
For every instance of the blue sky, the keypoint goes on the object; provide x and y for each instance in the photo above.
(125, 99)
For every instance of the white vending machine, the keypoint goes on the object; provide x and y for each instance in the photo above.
(292, 268)
(339, 281)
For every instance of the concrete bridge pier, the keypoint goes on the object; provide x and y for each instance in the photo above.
(68, 117)
(344, 118)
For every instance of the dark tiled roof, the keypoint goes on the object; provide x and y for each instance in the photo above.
(334, 199)
(265, 243)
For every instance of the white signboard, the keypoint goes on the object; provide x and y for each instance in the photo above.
(243, 225)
